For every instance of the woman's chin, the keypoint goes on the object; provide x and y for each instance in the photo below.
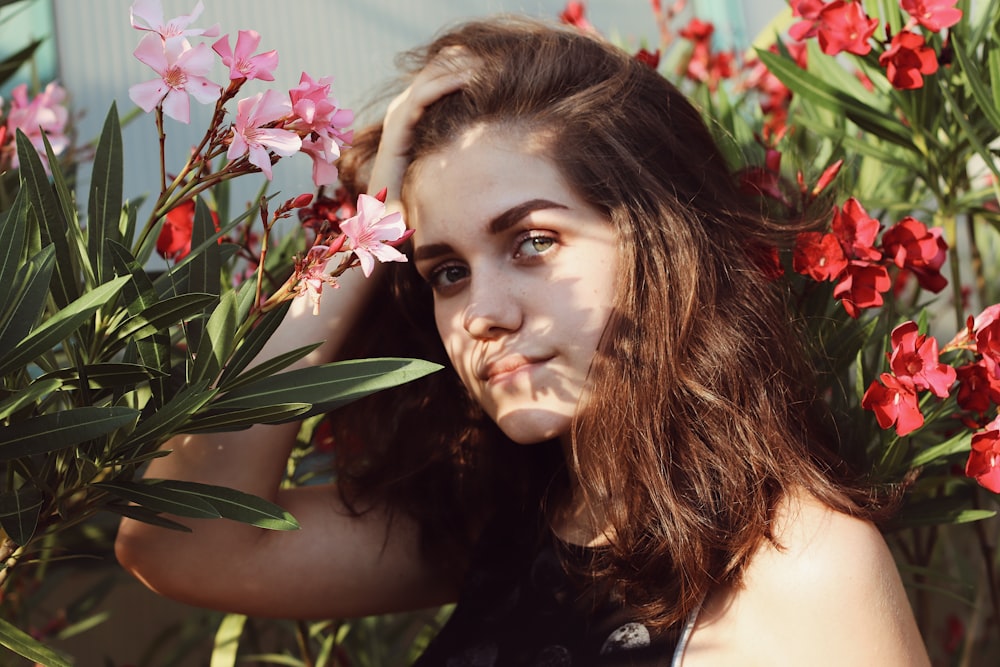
(531, 426)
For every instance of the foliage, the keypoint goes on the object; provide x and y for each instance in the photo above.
(103, 359)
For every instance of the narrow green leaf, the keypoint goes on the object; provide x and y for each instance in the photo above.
(817, 91)
(105, 375)
(13, 235)
(28, 647)
(254, 342)
(26, 294)
(67, 204)
(146, 515)
(959, 443)
(166, 421)
(105, 202)
(19, 511)
(53, 226)
(139, 294)
(10, 64)
(22, 398)
(982, 95)
(227, 640)
(159, 316)
(267, 368)
(60, 430)
(237, 505)
(60, 325)
(161, 498)
(206, 265)
(216, 344)
(238, 419)
(984, 151)
(328, 386)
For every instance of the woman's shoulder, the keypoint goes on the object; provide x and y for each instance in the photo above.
(825, 590)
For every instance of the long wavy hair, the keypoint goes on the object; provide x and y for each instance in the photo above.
(700, 417)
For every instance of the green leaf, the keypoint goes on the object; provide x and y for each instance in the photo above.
(104, 376)
(254, 342)
(61, 430)
(268, 368)
(959, 443)
(159, 316)
(19, 512)
(235, 420)
(206, 264)
(13, 234)
(166, 421)
(67, 204)
(52, 223)
(236, 505)
(982, 95)
(328, 386)
(139, 294)
(28, 647)
(216, 343)
(60, 325)
(26, 298)
(25, 397)
(13, 62)
(817, 91)
(146, 515)
(105, 203)
(227, 640)
(160, 497)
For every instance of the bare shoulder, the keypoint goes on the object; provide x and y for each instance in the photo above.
(826, 592)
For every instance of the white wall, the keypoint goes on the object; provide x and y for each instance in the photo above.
(352, 40)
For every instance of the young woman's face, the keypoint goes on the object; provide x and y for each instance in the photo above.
(524, 276)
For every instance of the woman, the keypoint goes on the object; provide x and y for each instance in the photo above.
(619, 465)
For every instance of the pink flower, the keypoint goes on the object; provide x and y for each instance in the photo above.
(45, 115)
(241, 64)
(915, 356)
(311, 272)
(894, 402)
(907, 59)
(984, 458)
(912, 246)
(148, 15)
(371, 230)
(316, 113)
(181, 73)
(844, 26)
(935, 15)
(252, 135)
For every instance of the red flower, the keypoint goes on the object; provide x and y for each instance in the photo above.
(574, 14)
(650, 58)
(894, 402)
(935, 15)
(978, 389)
(913, 246)
(988, 345)
(907, 59)
(174, 241)
(984, 459)
(856, 231)
(844, 26)
(819, 256)
(809, 11)
(861, 286)
(915, 356)
(697, 31)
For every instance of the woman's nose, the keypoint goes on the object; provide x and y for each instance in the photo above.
(492, 309)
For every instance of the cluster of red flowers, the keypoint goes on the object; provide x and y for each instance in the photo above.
(850, 257)
(915, 366)
(844, 26)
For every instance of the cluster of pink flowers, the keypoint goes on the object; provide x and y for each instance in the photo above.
(850, 256)
(844, 26)
(915, 366)
(269, 125)
(45, 114)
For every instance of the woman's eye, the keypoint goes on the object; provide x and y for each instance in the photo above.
(536, 244)
(446, 276)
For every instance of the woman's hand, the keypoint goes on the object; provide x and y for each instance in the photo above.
(448, 72)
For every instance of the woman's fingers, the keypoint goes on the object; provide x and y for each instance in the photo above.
(448, 72)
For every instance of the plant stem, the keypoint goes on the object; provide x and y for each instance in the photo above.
(988, 552)
(163, 147)
(302, 639)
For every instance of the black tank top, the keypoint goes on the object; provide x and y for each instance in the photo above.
(520, 606)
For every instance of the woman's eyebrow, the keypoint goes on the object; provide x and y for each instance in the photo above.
(497, 225)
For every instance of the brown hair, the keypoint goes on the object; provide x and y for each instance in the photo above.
(699, 419)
